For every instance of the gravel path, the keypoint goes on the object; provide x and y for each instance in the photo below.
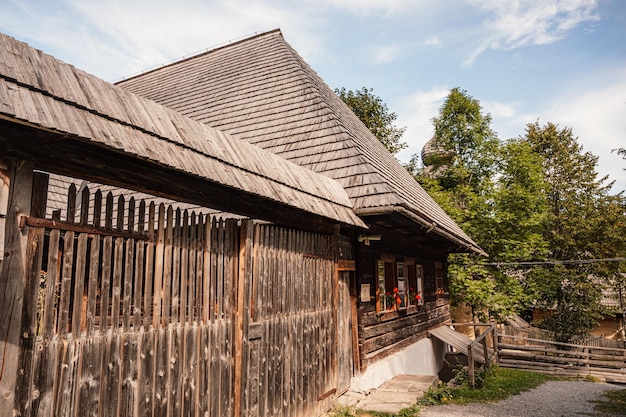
(551, 399)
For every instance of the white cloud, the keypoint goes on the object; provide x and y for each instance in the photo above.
(597, 117)
(387, 54)
(117, 38)
(378, 7)
(519, 23)
(499, 109)
(160, 31)
(434, 41)
(416, 113)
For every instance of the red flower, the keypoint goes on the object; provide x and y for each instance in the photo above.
(398, 300)
(395, 290)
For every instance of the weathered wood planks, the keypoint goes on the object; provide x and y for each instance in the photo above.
(121, 323)
(206, 317)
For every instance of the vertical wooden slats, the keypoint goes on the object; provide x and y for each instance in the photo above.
(184, 268)
(158, 268)
(30, 313)
(79, 304)
(167, 269)
(150, 275)
(176, 268)
(92, 285)
(147, 327)
(52, 285)
(105, 282)
(140, 262)
(66, 283)
(116, 288)
(293, 303)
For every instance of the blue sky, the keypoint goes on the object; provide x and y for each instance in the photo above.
(525, 60)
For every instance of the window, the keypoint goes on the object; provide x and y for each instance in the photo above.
(400, 284)
(386, 286)
(439, 291)
(416, 285)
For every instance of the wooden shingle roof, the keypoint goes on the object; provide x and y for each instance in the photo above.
(261, 90)
(45, 95)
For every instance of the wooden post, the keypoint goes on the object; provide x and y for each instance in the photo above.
(470, 366)
(242, 312)
(19, 177)
(495, 345)
(486, 350)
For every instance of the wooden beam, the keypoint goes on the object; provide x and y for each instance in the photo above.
(73, 227)
(242, 310)
(19, 176)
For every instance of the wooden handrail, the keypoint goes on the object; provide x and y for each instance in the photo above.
(470, 349)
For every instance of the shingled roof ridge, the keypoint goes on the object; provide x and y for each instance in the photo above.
(354, 128)
(197, 55)
(390, 187)
(318, 88)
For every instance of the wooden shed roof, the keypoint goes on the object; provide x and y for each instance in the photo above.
(261, 90)
(69, 121)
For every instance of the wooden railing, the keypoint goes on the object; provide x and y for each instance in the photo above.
(562, 359)
(490, 355)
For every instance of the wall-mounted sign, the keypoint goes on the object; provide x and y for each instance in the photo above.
(346, 265)
(365, 293)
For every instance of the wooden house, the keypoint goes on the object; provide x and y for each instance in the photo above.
(262, 92)
(116, 306)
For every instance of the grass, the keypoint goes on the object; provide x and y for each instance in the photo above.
(497, 385)
(412, 411)
(614, 403)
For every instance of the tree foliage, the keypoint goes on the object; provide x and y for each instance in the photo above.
(480, 185)
(464, 132)
(575, 228)
(373, 112)
(533, 198)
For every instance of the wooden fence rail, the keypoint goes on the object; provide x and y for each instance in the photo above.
(563, 359)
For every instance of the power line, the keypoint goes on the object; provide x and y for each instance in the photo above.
(555, 262)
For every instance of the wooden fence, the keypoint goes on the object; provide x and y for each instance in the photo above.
(537, 333)
(562, 359)
(134, 310)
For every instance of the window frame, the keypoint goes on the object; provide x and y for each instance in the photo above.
(398, 282)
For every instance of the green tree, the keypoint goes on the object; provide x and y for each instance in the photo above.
(493, 191)
(373, 112)
(515, 230)
(574, 195)
(464, 132)
(610, 243)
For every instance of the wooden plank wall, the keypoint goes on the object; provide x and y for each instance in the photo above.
(131, 310)
(132, 316)
(384, 335)
(291, 343)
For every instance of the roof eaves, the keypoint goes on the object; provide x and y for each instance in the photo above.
(431, 226)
